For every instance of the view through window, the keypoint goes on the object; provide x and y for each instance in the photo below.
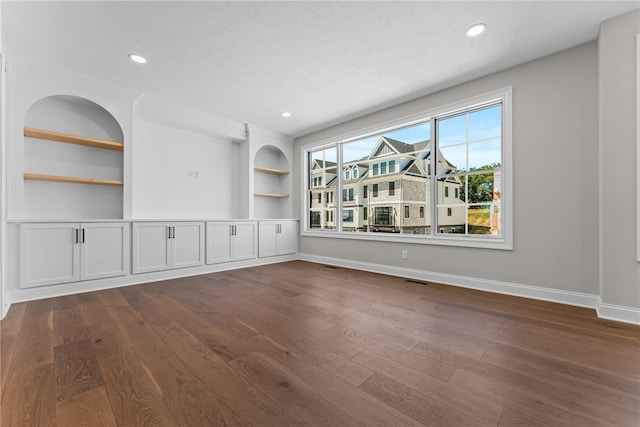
(388, 184)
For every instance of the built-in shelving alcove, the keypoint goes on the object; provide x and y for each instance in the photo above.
(73, 160)
(271, 183)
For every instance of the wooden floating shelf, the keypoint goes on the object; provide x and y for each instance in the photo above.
(71, 179)
(278, 196)
(73, 139)
(269, 170)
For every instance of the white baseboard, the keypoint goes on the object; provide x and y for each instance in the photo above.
(5, 310)
(605, 311)
(618, 313)
(30, 294)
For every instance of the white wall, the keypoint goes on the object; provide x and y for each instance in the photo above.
(166, 160)
(2, 169)
(26, 85)
(555, 163)
(620, 279)
(53, 200)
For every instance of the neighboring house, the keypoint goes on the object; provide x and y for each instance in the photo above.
(386, 191)
(354, 196)
(322, 194)
(398, 186)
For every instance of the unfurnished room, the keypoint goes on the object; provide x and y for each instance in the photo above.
(347, 213)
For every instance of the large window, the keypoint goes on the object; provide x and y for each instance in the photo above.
(452, 163)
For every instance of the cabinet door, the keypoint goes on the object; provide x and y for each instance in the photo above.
(151, 247)
(218, 242)
(244, 241)
(287, 238)
(188, 244)
(267, 239)
(49, 254)
(104, 250)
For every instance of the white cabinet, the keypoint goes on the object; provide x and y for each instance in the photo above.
(277, 238)
(53, 253)
(161, 246)
(230, 241)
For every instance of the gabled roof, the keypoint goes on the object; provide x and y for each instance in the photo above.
(391, 145)
(322, 164)
(400, 147)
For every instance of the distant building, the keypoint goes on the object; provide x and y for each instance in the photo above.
(387, 191)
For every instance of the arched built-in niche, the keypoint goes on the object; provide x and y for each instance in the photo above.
(271, 184)
(73, 160)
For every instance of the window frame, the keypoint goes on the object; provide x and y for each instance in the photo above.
(504, 241)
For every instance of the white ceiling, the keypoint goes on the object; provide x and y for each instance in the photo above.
(325, 62)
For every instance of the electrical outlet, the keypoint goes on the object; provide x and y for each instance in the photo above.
(405, 254)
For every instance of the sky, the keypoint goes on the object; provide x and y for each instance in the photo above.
(477, 134)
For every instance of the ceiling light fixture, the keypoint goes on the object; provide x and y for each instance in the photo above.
(137, 58)
(286, 114)
(476, 30)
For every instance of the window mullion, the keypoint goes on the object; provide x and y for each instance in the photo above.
(433, 203)
(339, 186)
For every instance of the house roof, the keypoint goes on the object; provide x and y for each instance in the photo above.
(323, 163)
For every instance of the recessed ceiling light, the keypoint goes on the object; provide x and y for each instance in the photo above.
(137, 58)
(286, 114)
(476, 30)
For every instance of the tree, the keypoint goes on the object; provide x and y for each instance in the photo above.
(480, 185)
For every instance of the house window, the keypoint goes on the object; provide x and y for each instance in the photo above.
(331, 197)
(455, 164)
(383, 216)
(347, 175)
(322, 168)
(314, 219)
(364, 213)
(406, 211)
(344, 195)
(351, 194)
(347, 215)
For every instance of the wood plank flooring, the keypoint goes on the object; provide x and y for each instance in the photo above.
(299, 343)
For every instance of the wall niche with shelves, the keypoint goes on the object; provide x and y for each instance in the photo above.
(73, 161)
(271, 184)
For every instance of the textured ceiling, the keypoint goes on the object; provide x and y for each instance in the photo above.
(325, 62)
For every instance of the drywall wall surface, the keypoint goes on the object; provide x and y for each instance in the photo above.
(29, 81)
(554, 180)
(180, 174)
(620, 280)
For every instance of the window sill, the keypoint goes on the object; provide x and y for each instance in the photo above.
(500, 243)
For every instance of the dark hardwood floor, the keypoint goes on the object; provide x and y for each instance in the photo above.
(305, 344)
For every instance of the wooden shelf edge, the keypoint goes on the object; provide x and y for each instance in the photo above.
(72, 139)
(278, 196)
(269, 170)
(71, 179)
